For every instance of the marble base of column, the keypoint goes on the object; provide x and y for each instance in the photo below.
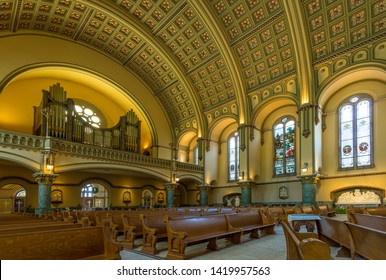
(204, 198)
(309, 184)
(246, 192)
(170, 188)
(45, 182)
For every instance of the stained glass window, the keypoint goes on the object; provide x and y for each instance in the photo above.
(284, 147)
(90, 113)
(233, 157)
(355, 133)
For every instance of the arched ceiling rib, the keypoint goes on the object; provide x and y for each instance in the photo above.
(172, 46)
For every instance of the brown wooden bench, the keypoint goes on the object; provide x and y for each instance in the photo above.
(193, 230)
(64, 244)
(29, 228)
(367, 242)
(334, 231)
(154, 228)
(379, 211)
(132, 229)
(367, 220)
(274, 212)
(250, 222)
(323, 210)
(304, 246)
(116, 224)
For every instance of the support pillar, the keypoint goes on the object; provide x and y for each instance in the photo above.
(246, 192)
(204, 198)
(45, 182)
(170, 187)
(309, 184)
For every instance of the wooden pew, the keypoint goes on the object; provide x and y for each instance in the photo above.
(367, 242)
(91, 243)
(304, 246)
(193, 230)
(371, 221)
(132, 228)
(323, 210)
(274, 212)
(22, 228)
(116, 224)
(250, 222)
(379, 211)
(154, 229)
(331, 229)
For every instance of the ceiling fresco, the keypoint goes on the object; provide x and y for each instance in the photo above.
(206, 58)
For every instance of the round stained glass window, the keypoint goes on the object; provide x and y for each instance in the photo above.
(88, 115)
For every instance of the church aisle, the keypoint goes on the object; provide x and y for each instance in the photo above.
(268, 247)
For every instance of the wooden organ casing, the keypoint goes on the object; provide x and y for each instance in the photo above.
(65, 123)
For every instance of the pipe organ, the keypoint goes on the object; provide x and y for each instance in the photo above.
(56, 117)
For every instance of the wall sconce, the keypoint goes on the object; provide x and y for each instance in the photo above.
(177, 179)
(241, 177)
(305, 167)
(49, 163)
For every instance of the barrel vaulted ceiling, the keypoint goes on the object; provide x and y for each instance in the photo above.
(203, 59)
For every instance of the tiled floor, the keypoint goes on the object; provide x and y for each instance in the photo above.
(268, 247)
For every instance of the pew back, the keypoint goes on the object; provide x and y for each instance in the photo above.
(367, 242)
(304, 246)
(64, 244)
(371, 221)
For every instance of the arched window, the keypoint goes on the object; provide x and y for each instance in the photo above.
(90, 113)
(284, 147)
(94, 196)
(233, 157)
(21, 193)
(355, 133)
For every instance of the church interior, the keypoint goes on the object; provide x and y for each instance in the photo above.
(147, 104)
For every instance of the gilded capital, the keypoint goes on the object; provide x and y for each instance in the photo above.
(309, 179)
(247, 184)
(203, 188)
(171, 186)
(46, 179)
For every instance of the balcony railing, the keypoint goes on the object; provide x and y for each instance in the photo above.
(63, 147)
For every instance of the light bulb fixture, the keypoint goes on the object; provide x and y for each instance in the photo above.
(241, 177)
(305, 167)
(177, 179)
(49, 163)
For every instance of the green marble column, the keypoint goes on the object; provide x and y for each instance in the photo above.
(204, 198)
(170, 187)
(309, 184)
(45, 182)
(246, 192)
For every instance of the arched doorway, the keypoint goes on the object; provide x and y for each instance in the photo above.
(94, 196)
(12, 198)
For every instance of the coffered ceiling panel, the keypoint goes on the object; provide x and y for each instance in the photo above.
(338, 26)
(259, 36)
(180, 48)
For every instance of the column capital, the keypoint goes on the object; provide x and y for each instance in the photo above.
(171, 186)
(247, 184)
(309, 179)
(204, 188)
(44, 178)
